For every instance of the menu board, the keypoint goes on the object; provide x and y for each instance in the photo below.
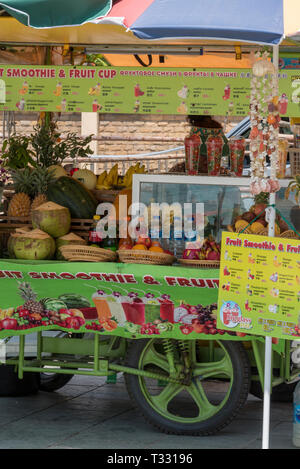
(138, 91)
(259, 289)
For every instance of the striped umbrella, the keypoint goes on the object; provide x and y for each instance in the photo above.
(264, 22)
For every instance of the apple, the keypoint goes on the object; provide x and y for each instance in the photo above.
(144, 240)
(73, 322)
(9, 323)
(124, 246)
(186, 329)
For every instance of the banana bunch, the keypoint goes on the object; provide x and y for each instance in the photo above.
(112, 179)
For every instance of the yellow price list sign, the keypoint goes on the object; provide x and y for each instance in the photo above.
(259, 286)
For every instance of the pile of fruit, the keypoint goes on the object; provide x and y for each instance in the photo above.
(254, 222)
(142, 244)
(45, 312)
(112, 179)
(210, 250)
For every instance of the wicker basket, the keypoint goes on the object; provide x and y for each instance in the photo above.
(87, 254)
(205, 264)
(294, 161)
(289, 234)
(130, 256)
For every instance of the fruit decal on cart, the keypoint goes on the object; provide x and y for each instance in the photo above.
(127, 311)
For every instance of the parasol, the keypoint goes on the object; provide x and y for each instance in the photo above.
(267, 22)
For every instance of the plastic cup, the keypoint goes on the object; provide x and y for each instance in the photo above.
(237, 154)
(296, 132)
(282, 156)
(192, 154)
(214, 153)
(167, 312)
(134, 312)
(103, 309)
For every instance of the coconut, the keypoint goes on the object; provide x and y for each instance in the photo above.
(33, 245)
(67, 240)
(11, 241)
(52, 218)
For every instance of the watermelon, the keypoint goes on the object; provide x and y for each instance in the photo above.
(70, 193)
(52, 304)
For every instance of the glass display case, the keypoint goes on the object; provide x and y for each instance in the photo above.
(224, 198)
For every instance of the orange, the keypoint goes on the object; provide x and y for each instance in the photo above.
(155, 243)
(140, 247)
(156, 249)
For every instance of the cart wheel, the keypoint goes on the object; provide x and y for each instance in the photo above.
(50, 382)
(281, 393)
(12, 386)
(219, 385)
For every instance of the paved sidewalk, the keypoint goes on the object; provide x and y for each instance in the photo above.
(88, 413)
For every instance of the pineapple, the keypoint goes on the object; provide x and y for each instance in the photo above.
(20, 204)
(42, 178)
(30, 298)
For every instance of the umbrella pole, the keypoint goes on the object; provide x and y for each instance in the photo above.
(268, 340)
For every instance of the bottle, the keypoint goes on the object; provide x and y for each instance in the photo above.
(94, 236)
(111, 242)
(296, 416)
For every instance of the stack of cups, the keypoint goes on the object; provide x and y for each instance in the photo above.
(192, 154)
(214, 154)
(237, 154)
(282, 157)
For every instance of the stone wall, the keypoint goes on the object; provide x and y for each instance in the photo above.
(134, 133)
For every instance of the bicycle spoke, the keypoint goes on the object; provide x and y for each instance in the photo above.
(170, 391)
(221, 368)
(153, 357)
(206, 408)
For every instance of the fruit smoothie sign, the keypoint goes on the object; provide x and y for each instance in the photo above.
(108, 298)
(259, 289)
(137, 91)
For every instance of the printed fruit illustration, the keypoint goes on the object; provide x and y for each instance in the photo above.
(186, 329)
(30, 298)
(9, 323)
(109, 325)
